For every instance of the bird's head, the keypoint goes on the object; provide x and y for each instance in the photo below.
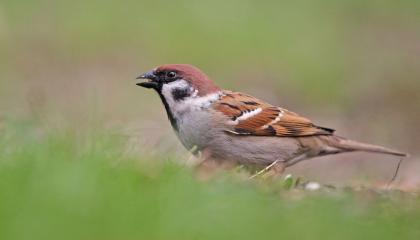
(178, 79)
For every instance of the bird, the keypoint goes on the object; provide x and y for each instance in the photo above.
(227, 128)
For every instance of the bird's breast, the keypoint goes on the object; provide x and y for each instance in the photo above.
(195, 129)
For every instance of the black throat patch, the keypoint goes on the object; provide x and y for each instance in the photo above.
(169, 113)
(167, 108)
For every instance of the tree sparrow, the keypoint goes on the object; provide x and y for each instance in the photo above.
(233, 127)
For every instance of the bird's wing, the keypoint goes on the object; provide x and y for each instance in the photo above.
(250, 116)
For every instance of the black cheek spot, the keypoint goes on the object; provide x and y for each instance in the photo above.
(180, 93)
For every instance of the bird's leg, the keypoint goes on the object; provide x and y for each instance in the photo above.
(276, 168)
(206, 168)
(209, 165)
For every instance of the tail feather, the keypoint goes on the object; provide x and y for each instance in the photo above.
(349, 145)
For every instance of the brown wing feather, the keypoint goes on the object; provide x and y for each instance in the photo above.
(250, 116)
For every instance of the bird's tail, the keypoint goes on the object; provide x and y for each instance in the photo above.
(346, 145)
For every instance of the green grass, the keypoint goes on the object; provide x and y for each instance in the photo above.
(59, 184)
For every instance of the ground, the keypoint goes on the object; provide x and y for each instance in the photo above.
(71, 185)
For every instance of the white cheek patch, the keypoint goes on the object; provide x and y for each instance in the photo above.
(169, 87)
(194, 102)
(202, 102)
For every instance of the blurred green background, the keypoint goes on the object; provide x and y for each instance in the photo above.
(74, 127)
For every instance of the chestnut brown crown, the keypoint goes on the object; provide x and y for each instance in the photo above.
(172, 72)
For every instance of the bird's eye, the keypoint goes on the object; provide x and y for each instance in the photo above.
(171, 74)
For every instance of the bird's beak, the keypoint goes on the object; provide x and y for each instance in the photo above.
(151, 80)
